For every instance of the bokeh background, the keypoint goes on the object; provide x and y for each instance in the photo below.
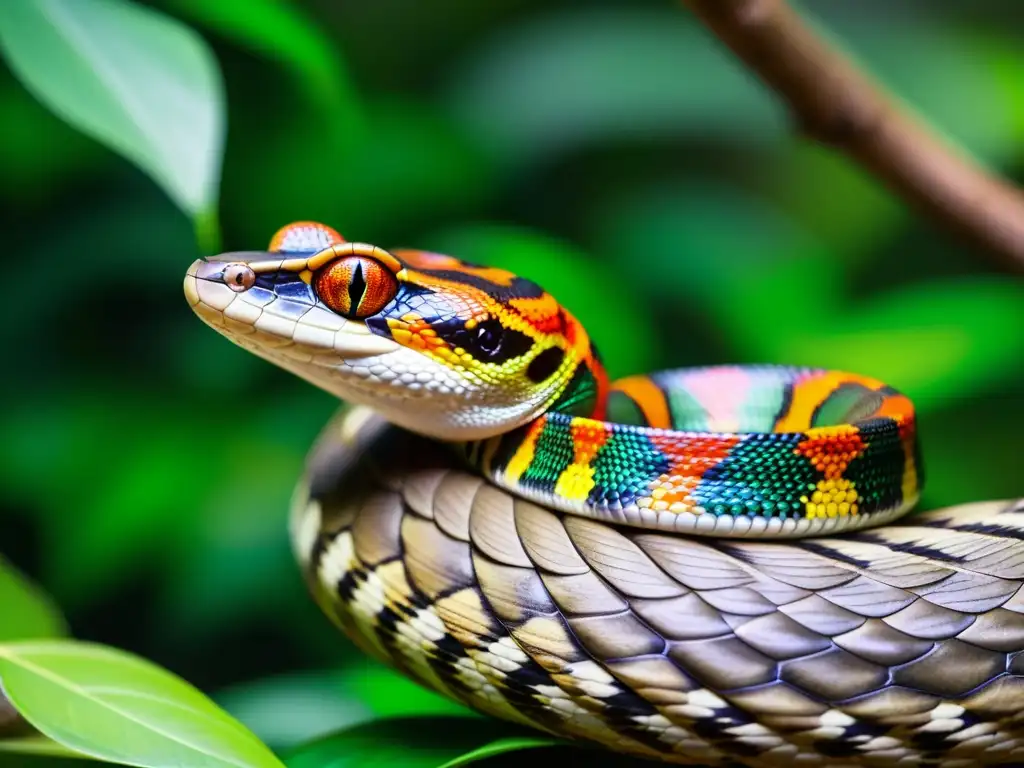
(611, 150)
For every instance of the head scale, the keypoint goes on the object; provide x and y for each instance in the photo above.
(439, 346)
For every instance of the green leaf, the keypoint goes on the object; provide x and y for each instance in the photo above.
(419, 742)
(26, 611)
(625, 339)
(135, 80)
(500, 747)
(281, 31)
(118, 707)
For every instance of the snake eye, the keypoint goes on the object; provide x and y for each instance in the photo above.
(239, 277)
(355, 286)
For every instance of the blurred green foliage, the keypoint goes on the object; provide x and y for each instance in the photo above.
(613, 151)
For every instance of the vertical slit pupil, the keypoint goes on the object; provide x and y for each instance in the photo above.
(356, 287)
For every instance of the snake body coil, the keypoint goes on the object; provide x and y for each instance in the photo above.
(577, 563)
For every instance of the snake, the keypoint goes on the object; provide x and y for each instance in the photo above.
(705, 566)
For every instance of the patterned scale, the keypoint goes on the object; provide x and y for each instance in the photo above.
(892, 646)
(726, 450)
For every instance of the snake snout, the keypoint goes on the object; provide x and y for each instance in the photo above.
(215, 283)
(205, 284)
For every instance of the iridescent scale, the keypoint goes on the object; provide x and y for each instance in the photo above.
(730, 450)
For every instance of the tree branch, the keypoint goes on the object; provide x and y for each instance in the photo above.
(839, 106)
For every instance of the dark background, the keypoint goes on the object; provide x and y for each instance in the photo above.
(613, 151)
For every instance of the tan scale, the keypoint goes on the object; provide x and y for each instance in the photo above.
(907, 631)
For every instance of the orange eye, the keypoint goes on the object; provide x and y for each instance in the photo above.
(355, 286)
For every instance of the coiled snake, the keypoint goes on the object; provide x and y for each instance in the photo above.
(640, 565)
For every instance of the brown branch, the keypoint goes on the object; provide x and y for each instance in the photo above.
(839, 106)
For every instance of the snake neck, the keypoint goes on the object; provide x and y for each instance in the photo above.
(586, 393)
(585, 397)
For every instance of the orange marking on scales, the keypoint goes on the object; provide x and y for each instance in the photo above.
(588, 437)
(295, 230)
(541, 312)
(899, 409)
(417, 260)
(690, 457)
(812, 390)
(414, 332)
(650, 399)
(831, 449)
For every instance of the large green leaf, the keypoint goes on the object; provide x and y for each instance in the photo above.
(427, 742)
(626, 339)
(135, 80)
(26, 612)
(117, 707)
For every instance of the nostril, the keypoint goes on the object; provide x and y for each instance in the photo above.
(239, 277)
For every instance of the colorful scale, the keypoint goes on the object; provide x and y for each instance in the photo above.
(764, 441)
(487, 349)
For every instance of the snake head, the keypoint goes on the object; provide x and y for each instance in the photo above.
(445, 348)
